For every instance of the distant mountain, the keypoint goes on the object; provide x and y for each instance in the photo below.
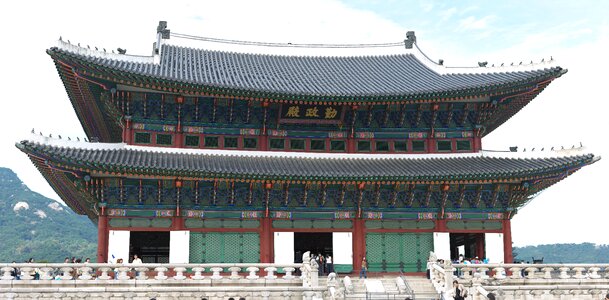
(564, 253)
(32, 225)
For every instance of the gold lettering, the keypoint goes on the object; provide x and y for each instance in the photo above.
(293, 111)
(312, 112)
(330, 113)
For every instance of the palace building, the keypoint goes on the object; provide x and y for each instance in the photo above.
(201, 156)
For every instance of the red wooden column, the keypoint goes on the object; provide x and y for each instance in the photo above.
(127, 131)
(480, 245)
(507, 242)
(477, 144)
(359, 243)
(266, 240)
(102, 237)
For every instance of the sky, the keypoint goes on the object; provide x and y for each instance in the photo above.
(571, 110)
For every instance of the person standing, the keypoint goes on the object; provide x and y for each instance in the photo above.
(136, 260)
(330, 264)
(363, 272)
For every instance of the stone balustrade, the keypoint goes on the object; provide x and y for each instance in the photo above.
(160, 272)
(161, 281)
(523, 281)
(531, 272)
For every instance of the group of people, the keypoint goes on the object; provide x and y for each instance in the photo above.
(463, 260)
(35, 273)
(325, 264)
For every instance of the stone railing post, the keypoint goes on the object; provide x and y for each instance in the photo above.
(499, 273)
(198, 275)
(593, 273)
(579, 273)
(531, 272)
(85, 273)
(483, 271)
(448, 276)
(270, 273)
(26, 273)
(516, 273)
(67, 273)
(140, 273)
(288, 273)
(314, 275)
(475, 289)
(216, 273)
(104, 273)
(160, 273)
(306, 269)
(123, 273)
(467, 272)
(547, 272)
(179, 273)
(564, 273)
(6, 273)
(252, 274)
(46, 273)
(234, 273)
(331, 285)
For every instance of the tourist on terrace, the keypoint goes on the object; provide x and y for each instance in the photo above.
(136, 261)
(329, 264)
(15, 271)
(363, 272)
(116, 270)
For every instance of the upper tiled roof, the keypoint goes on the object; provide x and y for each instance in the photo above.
(122, 159)
(402, 75)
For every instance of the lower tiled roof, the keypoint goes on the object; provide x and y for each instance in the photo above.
(129, 160)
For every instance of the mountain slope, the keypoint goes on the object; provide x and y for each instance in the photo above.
(587, 253)
(32, 225)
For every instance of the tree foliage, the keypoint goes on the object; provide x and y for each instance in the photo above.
(33, 226)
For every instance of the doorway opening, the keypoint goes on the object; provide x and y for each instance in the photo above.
(150, 246)
(316, 242)
(470, 245)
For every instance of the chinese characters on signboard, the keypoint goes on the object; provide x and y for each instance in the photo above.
(306, 113)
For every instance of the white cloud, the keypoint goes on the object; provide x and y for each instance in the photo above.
(447, 13)
(473, 23)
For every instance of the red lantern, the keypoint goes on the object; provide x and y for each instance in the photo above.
(445, 187)
(268, 185)
(178, 183)
(361, 185)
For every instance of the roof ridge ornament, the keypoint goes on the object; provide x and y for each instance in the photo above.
(411, 38)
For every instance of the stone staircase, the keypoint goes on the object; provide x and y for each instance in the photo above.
(420, 285)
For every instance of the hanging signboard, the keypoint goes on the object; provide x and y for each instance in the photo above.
(311, 113)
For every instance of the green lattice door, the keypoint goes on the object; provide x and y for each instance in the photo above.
(394, 252)
(224, 247)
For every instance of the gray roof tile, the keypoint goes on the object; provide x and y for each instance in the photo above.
(361, 76)
(279, 167)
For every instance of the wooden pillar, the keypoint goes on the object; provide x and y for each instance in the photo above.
(480, 245)
(127, 131)
(177, 223)
(351, 145)
(359, 243)
(441, 225)
(266, 240)
(477, 144)
(431, 144)
(507, 242)
(102, 238)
